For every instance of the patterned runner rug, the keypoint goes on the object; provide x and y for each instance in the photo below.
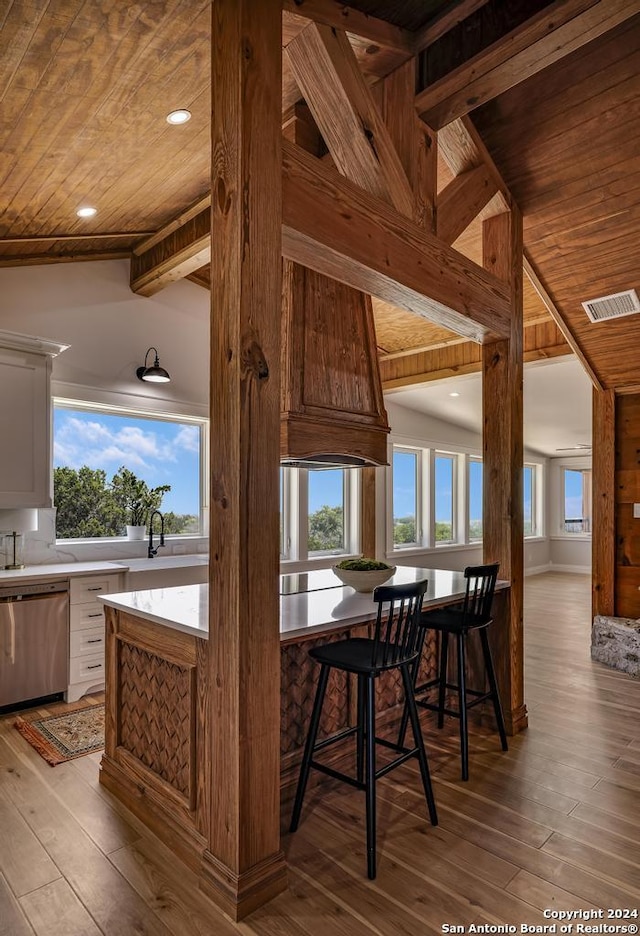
(59, 738)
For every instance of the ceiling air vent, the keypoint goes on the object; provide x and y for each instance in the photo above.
(614, 306)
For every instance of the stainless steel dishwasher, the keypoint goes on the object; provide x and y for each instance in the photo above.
(34, 641)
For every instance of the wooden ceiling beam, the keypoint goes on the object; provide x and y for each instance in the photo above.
(463, 149)
(425, 365)
(334, 227)
(340, 16)
(556, 315)
(326, 70)
(462, 200)
(415, 144)
(181, 252)
(559, 29)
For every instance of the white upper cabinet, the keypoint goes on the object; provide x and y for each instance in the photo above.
(25, 420)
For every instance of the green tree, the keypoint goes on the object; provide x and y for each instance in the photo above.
(88, 506)
(404, 530)
(181, 523)
(326, 529)
(444, 532)
(85, 505)
(135, 496)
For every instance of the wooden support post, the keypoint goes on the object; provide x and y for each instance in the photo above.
(604, 499)
(502, 444)
(243, 866)
(368, 512)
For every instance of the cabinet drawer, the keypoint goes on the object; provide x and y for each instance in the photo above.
(88, 588)
(84, 668)
(87, 642)
(86, 615)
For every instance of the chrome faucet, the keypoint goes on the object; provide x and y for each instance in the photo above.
(151, 551)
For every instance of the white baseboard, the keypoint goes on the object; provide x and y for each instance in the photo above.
(537, 570)
(578, 570)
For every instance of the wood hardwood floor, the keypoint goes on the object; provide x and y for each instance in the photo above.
(553, 823)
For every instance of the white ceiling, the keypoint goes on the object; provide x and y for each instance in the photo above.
(557, 404)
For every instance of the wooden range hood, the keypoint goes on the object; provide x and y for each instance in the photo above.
(332, 408)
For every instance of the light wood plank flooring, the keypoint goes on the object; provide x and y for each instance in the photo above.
(555, 823)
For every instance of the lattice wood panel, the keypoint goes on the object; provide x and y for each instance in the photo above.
(156, 703)
(299, 679)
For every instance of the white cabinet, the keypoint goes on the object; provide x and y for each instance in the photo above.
(86, 637)
(25, 429)
(25, 419)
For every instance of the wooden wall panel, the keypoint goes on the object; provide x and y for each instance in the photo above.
(603, 486)
(627, 491)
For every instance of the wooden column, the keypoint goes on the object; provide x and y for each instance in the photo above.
(368, 512)
(604, 497)
(502, 445)
(244, 866)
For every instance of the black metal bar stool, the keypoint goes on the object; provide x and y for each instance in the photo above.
(458, 622)
(395, 645)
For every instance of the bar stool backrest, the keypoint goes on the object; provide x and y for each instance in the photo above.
(481, 583)
(397, 632)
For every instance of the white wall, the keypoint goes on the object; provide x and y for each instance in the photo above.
(91, 307)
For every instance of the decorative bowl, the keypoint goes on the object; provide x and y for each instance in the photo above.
(364, 581)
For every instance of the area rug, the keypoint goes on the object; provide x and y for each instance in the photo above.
(59, 738)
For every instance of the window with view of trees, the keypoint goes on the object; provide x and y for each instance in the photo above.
(444, 497)
(406, 465)
(432, 492)
(326, 511)
(475, 499)
(106, 462)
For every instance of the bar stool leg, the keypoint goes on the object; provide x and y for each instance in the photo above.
(442, 689)
(370, 777)
(309, 746)
(404, 721)
(462, 703)
(360, 734)
(422, 754)
(493, 685)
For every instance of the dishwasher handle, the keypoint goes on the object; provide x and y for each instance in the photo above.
(8, 631)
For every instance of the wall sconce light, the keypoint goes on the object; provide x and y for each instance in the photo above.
(155, 374)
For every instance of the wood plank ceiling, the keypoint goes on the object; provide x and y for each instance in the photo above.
(85, 87)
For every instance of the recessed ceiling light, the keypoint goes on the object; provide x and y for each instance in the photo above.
(454, 394)
(178, 116)
(86, 212)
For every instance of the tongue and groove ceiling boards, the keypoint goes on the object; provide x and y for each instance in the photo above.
(552, 88)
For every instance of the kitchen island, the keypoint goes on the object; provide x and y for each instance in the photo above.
(157, 747)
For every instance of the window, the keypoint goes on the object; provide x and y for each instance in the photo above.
(474, 503)
(319, 513)
(444, 491)
(97, 449)
(529, 500)
(576, 490)
(406, 490)
(327, 511)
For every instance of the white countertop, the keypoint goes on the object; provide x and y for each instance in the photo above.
(67, 569)
(59, 570)
(186, 608)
